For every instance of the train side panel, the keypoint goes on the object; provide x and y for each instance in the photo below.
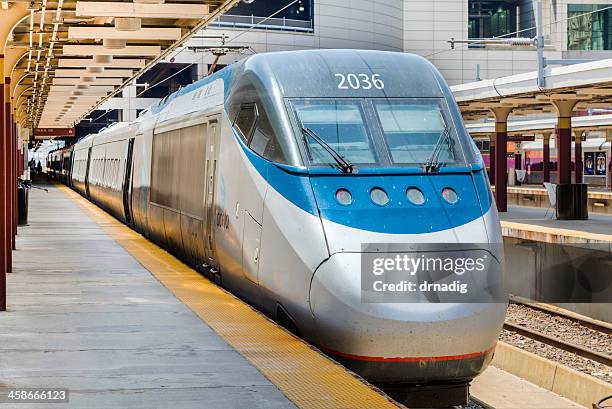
(237, 217)
(108, 170)
(141, 175)
(79, 169)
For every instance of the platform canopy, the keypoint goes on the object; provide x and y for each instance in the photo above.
(66, 57)
(589, 84)
(519, 127)
(559, 90)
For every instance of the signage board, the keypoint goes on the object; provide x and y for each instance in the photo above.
(601, 164)
(521, 138)
(596, 163)
(45, 133)
(589, 163)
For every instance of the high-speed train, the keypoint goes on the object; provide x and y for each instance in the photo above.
(271, 174)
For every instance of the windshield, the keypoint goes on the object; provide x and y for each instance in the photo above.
(412, 130)
(341, 125)
(380, 132)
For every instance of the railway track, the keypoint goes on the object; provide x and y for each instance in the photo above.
(587, 322)
(557, 342)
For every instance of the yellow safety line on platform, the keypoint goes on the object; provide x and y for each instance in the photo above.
(308, 378)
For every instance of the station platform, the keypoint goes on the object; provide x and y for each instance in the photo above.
(96, 308)
(534, 223)
(599, 199)
(499, 389)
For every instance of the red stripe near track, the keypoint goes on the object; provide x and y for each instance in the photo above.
(407, 359)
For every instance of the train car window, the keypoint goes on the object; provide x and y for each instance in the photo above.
(258, 121)
(161, 170)
(341, 125)
(246, 120)
(192, 150)
(265, 141)
(175, 182)
(412, 129)
(483, 145)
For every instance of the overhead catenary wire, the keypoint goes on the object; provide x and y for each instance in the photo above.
(555, 23)
(244, 32)
(202, 56)
(252, 27)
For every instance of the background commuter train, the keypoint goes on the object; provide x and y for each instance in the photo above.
(59, 165)
(529, 156)
(271, 174)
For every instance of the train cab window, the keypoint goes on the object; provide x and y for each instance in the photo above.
(255, 119)
(413, 129)
(245, 121)
(265, 141)
(341, 125)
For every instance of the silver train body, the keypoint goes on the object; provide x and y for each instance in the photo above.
(219, 174)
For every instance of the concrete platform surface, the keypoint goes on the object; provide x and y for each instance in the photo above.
(597, 223)
(85, 315)
(502, 390)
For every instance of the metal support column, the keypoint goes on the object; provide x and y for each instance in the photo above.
(4, 246)
(492, 160)
(15, 158)
(578, 155)
(9, 170)
(564, 140)
(546, 156)
(501, 157)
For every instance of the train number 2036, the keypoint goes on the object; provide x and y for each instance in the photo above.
(360, 81)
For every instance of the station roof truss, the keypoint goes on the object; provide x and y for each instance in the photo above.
(76, 54)
(588, 84)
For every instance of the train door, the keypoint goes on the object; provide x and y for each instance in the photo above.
(212, 157)
(71, 167)
(127, 183)
(87, 172)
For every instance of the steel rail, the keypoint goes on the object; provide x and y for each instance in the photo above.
(596, 325)
(566, 346)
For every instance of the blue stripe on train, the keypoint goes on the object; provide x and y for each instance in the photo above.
(316, 194)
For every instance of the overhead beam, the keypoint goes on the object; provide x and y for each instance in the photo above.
(85, 33)
(600, 105)
(567, 97)
(98, 81)
(143, 10)
(107, 73)
(130, 50)
(92, 88)
(595, 91)
(81, 99)
(521, 101)
(114, 63)
(70, 94)
(486, 106)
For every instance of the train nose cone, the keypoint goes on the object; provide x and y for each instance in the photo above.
(400, 342)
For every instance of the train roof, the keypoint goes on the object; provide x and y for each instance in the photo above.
(101, 136)
(317, 73)
(312, 74)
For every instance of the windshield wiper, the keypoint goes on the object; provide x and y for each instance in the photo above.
(433, 164)
(344, 164)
